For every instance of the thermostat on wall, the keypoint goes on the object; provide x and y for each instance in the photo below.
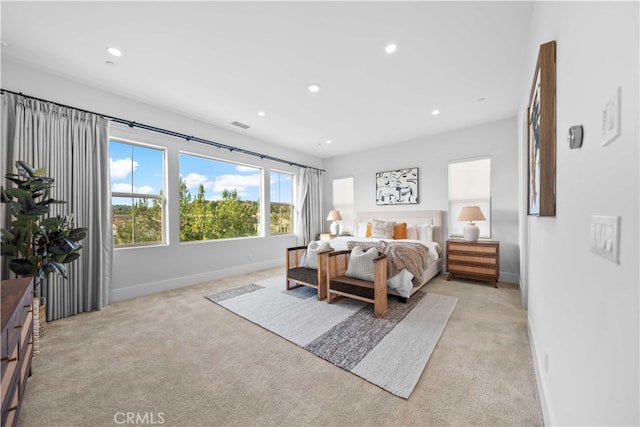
(574, 138)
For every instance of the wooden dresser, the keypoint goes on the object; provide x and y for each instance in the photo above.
(478, 260)
(17, 344)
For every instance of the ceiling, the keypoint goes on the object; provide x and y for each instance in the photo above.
(222, 62)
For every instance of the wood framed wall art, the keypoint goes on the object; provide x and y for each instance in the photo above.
(541, 120)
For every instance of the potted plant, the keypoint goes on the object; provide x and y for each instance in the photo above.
(37, 244)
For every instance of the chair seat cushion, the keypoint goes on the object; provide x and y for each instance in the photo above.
(303, 274)
(352, 286)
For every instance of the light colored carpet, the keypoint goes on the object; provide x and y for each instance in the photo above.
(390, 352)
(198, 364)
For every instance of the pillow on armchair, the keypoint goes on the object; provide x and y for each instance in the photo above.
(361, 264)
(311, 257)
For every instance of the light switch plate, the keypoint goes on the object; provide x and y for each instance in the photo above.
(611, 118)
(605, 237)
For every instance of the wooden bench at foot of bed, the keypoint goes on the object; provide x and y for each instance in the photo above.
(339, 285)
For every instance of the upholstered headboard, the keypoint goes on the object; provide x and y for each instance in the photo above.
(410, 217)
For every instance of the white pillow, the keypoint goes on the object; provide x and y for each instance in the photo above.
(412, 231)
(362, 230)
(361, 264)
(311, 257)
(382, 229)
(425, 232)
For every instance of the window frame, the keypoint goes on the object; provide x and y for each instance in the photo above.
(161, 196)
(292, 204)
(455, 205)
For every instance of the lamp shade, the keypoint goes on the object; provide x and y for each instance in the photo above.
(471, 232)
(471, 213)
(334, 216)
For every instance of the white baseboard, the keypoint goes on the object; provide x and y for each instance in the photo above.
(539, 374)
(506, 276)
(180, 282)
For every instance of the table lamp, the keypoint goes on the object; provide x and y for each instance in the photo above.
(471, 232)
(334, 216)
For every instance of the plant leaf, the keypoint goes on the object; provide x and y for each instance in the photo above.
(22, 267)
(7, 235)
(8, 249)
(25, 169)
(78, 234)
(71, 257)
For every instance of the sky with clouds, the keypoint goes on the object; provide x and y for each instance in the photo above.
(141, 169)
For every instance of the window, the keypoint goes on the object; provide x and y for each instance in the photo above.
(218, 200)
(343, 202)
(281, 217)
(469, 185)
(137, 187)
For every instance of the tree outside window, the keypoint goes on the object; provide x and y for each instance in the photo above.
(218, 199)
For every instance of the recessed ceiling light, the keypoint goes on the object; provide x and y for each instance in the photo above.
(314, 88)
(328, 141)
(109, 63)
(114, 51)
(435, 112)
(261, 113)
(390, 48)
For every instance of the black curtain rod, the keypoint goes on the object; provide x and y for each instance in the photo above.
(131, 123)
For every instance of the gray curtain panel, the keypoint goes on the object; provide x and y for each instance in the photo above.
(309, 217)
(73, 146)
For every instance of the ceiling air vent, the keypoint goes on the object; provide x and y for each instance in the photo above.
(240, 125)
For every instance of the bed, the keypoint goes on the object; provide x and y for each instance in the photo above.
(400, 283)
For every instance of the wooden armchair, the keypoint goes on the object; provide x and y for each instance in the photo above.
(340, 285)
(300, 275)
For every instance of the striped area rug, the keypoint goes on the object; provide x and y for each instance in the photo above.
(390, 352)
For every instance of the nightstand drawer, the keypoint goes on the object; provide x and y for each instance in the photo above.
(472, 259)
(490, 249)
(459, 268)
(327, 236)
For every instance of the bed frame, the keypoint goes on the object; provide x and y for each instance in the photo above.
(412, 217)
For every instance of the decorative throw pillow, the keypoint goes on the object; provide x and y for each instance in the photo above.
(311, 257)
(400, 231)
(382, 229)
(364, 229)
(361, 264)
(425, 232)
(412, 231)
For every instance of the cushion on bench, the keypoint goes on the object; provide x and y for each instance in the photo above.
(352, 286)
(303, 274)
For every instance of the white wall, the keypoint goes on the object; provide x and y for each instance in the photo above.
(431, 155)
(140, 271)
(583, 309)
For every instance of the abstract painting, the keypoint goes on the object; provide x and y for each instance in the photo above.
(399, 187)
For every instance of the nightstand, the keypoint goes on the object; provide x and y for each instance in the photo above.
(477, 260)
(327, 236)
